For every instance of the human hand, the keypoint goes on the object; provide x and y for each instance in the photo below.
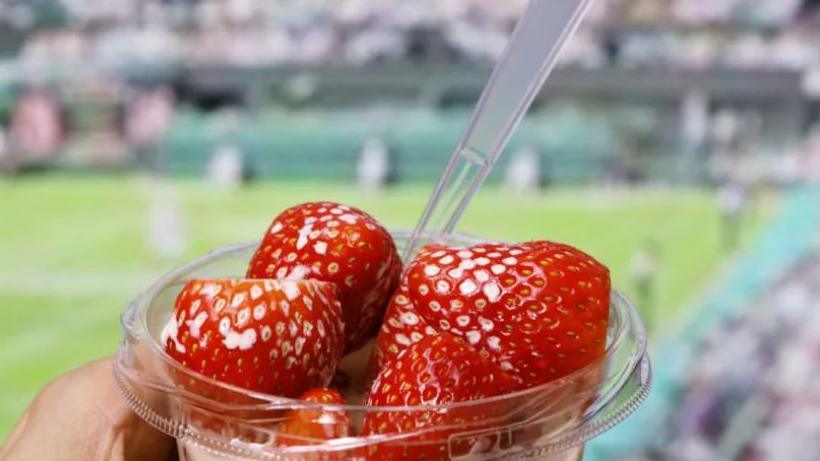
(82, 416)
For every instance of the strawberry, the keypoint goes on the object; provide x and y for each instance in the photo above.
(401, 327)
(311, 426)
(438, 369)
(539, 310)
(334, 243)
(274, 336)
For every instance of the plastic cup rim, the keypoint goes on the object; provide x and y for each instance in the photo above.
(629, 324)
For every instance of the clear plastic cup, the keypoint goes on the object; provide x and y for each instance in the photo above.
(223, 422)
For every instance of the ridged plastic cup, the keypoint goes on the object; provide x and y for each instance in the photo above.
(223, 422)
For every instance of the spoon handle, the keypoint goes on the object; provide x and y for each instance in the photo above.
(516, 79)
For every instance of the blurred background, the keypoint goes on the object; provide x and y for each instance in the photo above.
(678, 142)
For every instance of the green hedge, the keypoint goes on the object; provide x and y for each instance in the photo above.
(326, 144)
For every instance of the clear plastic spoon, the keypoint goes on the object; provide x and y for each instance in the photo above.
(515, 81)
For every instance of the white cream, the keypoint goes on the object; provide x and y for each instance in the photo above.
(171, 331)
(467, 287)
(348, 218)
(473, 337)
(494, 342)
(242, 341)
(492, 291)
(304, 232)
(291, 290)
(409, 318)
(196, 324)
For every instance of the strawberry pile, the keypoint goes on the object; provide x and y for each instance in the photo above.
(316, 287)
(458, 324)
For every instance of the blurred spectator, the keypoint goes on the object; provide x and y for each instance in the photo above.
(523, 174)
(810, 160)
(625, 168)
(5, 159)
(643, 268)
(373, 168)
(148, 119)
(226, 167)
(167, 236)
(732, 204)
(36, 132)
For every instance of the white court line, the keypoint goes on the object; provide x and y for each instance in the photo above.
(34, 342)
(89, 284)
(66, 321)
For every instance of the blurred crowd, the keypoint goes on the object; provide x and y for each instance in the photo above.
(93, 83)
(754, 394)
(682, 33)
(43, 131)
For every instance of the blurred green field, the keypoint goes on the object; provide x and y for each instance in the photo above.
(75, 249)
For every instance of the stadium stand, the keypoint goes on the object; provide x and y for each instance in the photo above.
(784, 256)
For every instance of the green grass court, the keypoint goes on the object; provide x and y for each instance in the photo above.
(75, 249)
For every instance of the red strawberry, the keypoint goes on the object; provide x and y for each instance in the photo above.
(439, 369)
(311, 426)
(334, 243)
(274, 336)
(539, 310)
(401, 327)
